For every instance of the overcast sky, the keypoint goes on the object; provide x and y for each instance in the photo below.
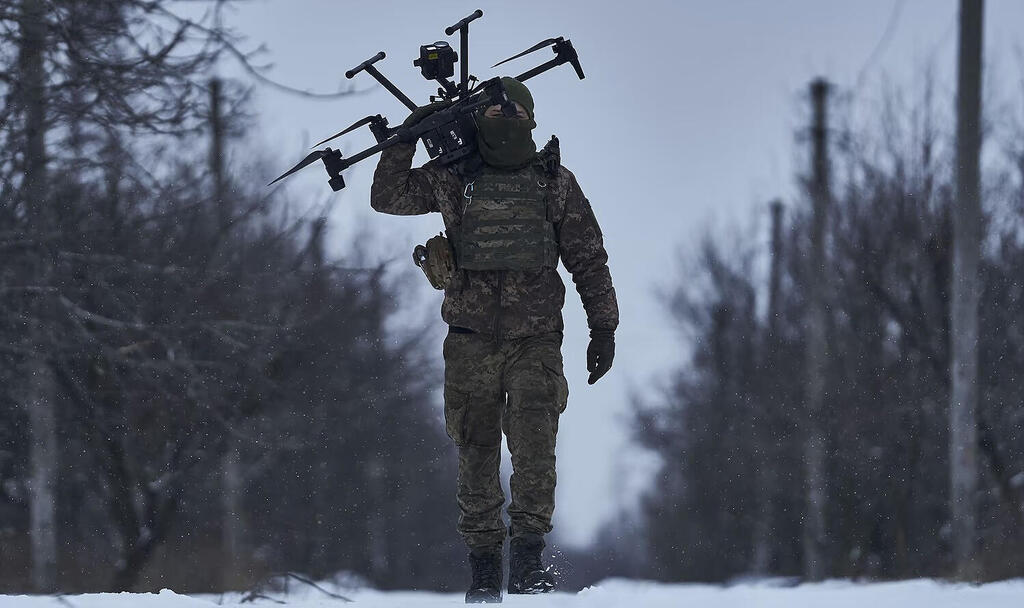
(685, 123)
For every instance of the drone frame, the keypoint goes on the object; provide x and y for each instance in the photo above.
(444, 133)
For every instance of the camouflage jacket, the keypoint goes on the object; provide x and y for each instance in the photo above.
(508, 303)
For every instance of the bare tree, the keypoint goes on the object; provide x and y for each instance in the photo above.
(80, 68)
(890, 252)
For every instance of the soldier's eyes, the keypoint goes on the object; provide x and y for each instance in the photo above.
(498, 114)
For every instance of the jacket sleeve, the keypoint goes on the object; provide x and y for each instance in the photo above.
(398, 189)
(581, 247)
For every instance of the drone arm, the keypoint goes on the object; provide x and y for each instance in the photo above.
(367, 153)
(387, 84)
(544, 67)
(402, 97)
(335, 163)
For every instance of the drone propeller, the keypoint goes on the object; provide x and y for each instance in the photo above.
(366, 121)
(309, 160)
(564, 53)
(536, 47)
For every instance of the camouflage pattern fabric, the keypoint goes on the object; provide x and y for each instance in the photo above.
(507, 303)
(516, 386)
(506, 374)
(505, 223)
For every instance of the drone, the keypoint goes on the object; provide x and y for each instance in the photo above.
(448, 134)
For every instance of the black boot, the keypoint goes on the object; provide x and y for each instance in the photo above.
(526, 573)
(486, 585)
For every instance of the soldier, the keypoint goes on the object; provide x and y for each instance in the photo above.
(509, 215)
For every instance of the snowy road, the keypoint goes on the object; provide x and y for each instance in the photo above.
(612, 593)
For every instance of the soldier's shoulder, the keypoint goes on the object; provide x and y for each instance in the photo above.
(442, 173)
(434, 165)
(567, 184)
(565, 174)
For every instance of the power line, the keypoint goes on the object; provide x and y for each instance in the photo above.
(890, 28)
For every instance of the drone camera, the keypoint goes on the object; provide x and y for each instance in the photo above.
(437, 60)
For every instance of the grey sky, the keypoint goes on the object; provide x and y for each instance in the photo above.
(684, 122)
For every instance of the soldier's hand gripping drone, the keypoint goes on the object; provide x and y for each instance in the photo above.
(448, 134)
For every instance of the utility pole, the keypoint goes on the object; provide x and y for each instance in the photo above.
(318, 258)
(769, 411)
(775, 272)
(40, 394)
(963, 397)
(814, 529)
(223, 205)
(233, 529)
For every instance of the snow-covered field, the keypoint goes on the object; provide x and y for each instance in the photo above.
(608, 594)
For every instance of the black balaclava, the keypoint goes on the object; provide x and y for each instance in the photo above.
(507, 143)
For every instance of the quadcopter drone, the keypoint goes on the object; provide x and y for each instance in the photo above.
(450, 133)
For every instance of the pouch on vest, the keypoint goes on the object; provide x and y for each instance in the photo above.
(436, 260)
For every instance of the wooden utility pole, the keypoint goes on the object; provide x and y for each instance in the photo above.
(963, 397)
(775, 270)
(223, 205)
(233, 545)
(814, 529)
(39, 394)
(232, 474)
(770, 410)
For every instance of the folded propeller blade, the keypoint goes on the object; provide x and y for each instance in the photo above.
(354, 126)
(533, 48)
(309, 160)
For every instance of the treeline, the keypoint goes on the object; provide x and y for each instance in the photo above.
(192, 393)
(731, 426)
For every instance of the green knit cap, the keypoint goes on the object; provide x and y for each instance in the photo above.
(518, 92)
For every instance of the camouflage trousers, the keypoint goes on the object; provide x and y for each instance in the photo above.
(516, 386)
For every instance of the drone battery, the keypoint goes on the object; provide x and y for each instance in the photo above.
(451, 141)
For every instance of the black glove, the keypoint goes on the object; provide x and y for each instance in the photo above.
(419, 114)
(600, 353)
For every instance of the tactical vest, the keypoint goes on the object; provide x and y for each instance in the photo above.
(507, 222)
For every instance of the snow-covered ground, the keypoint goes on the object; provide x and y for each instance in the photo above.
(614, 593)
